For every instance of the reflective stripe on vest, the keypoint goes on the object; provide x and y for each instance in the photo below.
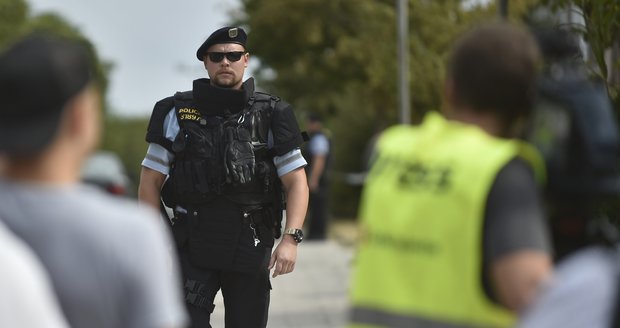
(421, 216)
(364, 317)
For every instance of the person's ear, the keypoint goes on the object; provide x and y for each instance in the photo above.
(74, 116)
(83, 113)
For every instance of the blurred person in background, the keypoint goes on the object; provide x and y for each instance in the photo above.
(107, 258)
(576, 127)
(317, 153)
(453, 230)
(26, 296)
(228, 154)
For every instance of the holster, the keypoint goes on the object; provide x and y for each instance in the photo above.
(180, 230)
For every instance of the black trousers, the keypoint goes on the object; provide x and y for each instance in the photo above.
(221, 252)
(318, 214)
(246, 295)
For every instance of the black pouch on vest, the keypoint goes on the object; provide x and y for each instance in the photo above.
(213, 236)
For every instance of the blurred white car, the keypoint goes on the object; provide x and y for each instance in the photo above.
(105, 170)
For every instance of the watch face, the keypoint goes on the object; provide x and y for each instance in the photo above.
(298, 236)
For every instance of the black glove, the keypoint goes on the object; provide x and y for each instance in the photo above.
(239, 156)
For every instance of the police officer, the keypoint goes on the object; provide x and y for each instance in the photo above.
(318, 154)
(228, 155)
(453, 230)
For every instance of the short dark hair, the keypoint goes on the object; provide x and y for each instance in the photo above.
(39, 74)
(494, 68)
(314, 117)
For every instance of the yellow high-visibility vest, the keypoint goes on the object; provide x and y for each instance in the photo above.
(422, 211)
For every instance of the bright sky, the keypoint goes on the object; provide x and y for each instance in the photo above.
(151, 42)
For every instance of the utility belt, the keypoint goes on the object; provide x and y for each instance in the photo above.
(268, 215)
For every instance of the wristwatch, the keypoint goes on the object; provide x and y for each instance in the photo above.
(297, 234)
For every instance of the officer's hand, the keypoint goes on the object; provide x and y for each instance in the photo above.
(284, 257)
(239, 158)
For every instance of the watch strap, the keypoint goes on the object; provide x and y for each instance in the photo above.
(297, 234)
(290, 231)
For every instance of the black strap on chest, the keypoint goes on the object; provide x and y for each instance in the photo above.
(262, 97)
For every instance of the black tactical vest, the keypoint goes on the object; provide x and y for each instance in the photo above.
(224, 155)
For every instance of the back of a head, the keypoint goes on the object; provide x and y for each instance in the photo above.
(493, 70)
(38, 76)
(314, 118)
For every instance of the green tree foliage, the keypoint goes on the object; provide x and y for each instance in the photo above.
(602, 32)
(17, 21)
(339, 58)
(13, 17)
(126, 137)
(55, 24)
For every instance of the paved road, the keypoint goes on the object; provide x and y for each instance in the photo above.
(314, 295)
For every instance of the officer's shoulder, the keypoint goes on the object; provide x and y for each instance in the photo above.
(164, 100)
(184, 95)
(155, 131)
(160, 111)
(163, 106)
(278, 103)
(264, 96)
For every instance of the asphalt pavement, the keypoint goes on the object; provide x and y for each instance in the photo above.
(315, 294)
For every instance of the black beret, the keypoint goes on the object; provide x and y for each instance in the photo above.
(229, 34)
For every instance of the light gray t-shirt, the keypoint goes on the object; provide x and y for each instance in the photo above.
(319, 145)
(109, 261)
(581, 295)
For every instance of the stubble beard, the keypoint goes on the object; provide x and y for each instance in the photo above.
(226, 82)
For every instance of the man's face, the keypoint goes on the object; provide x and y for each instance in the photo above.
(313, 126)
(223, 71)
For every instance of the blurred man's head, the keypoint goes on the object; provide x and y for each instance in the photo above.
(492, 71)
(47, 98)
(314, 122)
(225, 57)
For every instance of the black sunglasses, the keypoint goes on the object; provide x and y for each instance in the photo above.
(232, 56)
